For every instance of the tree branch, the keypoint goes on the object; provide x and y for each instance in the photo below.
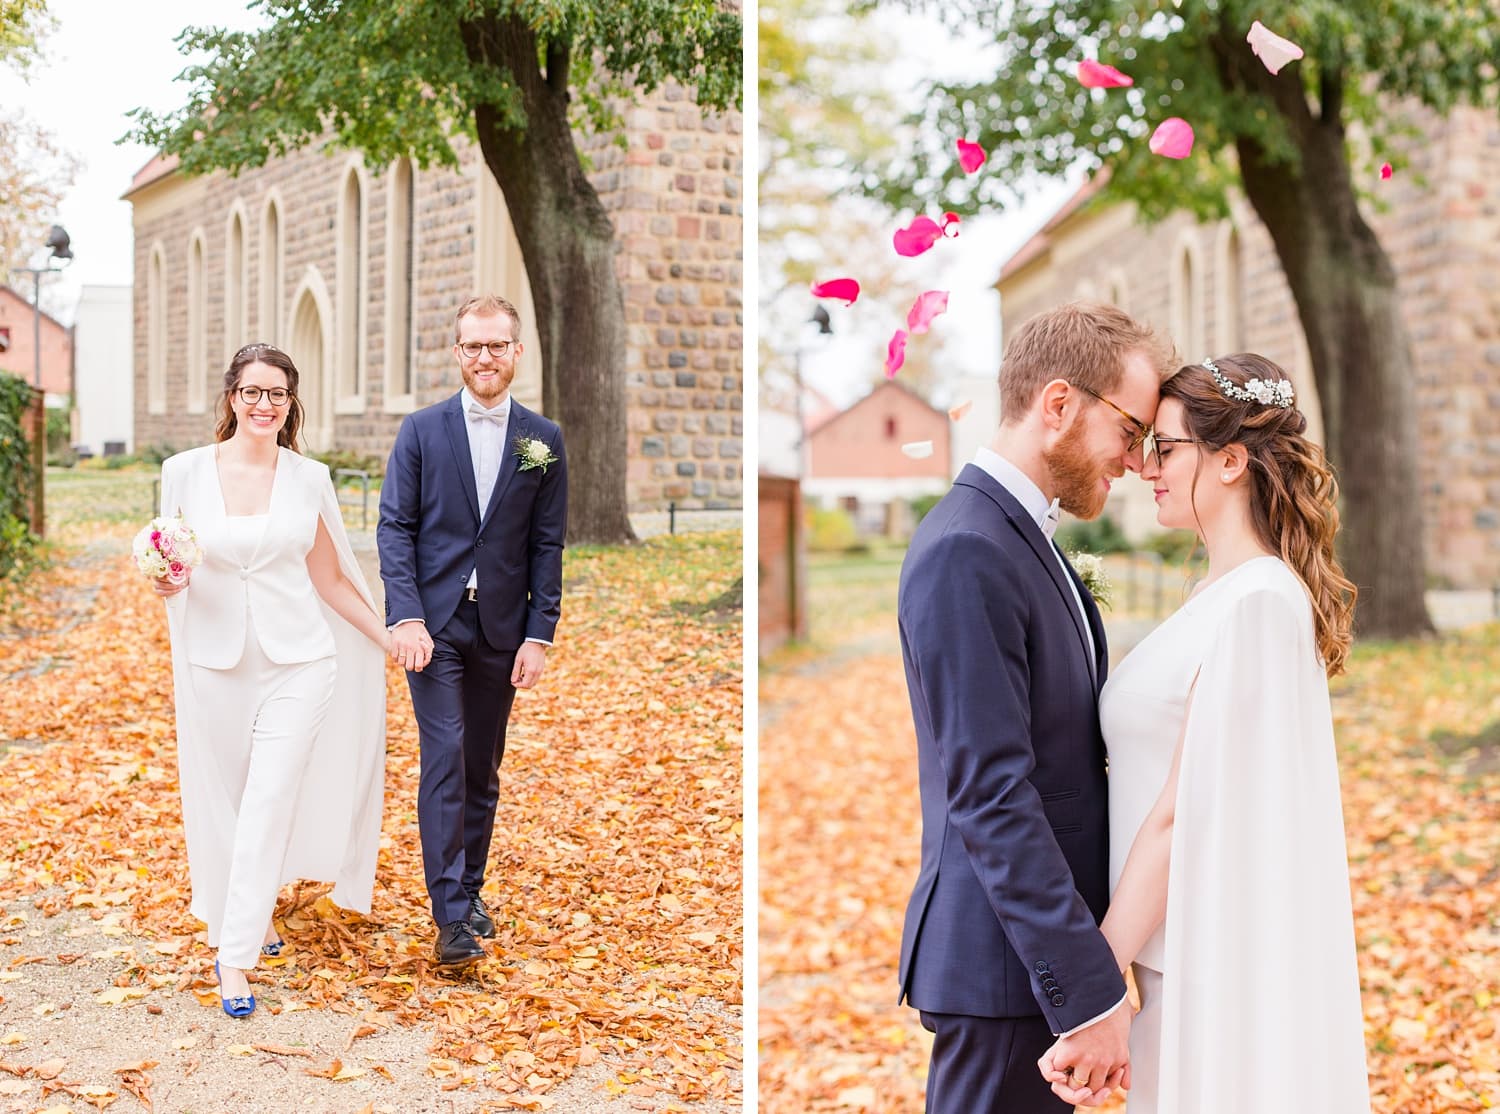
(558, 61)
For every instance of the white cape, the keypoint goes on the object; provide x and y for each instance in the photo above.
(1260, 1006)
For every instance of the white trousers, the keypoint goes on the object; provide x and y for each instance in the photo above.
(260, 719)
(1145, 1044)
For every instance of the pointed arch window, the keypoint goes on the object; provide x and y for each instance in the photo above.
(400, 292)
(156, 331)
(234, 284)
(272, 274)
(198, 370)
(352, 292)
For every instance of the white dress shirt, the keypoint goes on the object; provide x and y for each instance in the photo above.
(486, 428)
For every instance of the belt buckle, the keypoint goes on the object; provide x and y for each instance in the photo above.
(471, 594)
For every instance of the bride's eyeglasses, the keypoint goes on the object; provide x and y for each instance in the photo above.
(1156, 440)
(1142, 430)
(279, 396)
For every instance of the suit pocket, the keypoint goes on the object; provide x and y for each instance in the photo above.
(1061, 795)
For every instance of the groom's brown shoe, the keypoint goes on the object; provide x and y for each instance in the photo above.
(479, 918)
(456, 946)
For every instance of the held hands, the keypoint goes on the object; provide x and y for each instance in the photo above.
(531, 659)
(1085, 1068)
(410, 645)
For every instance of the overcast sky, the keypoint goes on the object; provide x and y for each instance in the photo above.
(104, 58)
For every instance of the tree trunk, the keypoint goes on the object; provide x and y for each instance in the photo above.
(568, 244)
(1345, 290)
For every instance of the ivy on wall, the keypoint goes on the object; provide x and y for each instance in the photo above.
(16, 475)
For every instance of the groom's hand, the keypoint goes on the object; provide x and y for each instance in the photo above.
(531, 659)
(411, 645)
(1087, 1066)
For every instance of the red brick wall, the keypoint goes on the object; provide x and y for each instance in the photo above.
(866, 439)
(782, 575)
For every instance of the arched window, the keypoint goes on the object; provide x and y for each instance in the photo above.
(156, 331)
(352, 288)
(400, 290)
(234, 284)
(198, 371)
(1227, 308)
(1187, 301)
(272, 274)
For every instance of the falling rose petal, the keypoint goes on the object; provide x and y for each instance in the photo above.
(1271, 48)
(895, 353)
(917, 450)
(845, 288)
(925, 308)
(1096, 75)
(1385, 171)
(1173, 138)
(970, 156)
(951, 220)
(957, 412)
(917, 237)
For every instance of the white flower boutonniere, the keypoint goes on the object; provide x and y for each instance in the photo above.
(533, 453)
(1090, 570)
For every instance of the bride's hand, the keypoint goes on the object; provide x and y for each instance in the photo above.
(166, 588)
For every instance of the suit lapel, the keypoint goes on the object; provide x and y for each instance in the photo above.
(515, 429)
(1026, 526)
(458, 441)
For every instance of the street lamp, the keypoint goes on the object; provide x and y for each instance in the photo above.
(58, 241)
(824, 323)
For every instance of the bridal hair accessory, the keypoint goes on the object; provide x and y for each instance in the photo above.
(1267, 392)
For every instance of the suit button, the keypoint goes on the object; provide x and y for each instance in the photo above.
(1049, 984)
(1041, 967)
(1058, 999)
(244, 574)
(479, 543)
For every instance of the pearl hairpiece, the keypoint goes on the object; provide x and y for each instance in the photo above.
(1267, 392)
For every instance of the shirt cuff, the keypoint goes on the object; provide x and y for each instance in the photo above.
(399, 622)
(540, 641)
(1096, 1020)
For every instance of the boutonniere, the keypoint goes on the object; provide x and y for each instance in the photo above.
(533, 452)
(1090, 570)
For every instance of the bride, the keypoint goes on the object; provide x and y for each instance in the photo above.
(1228, 869)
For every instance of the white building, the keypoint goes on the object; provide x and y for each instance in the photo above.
(103, 374)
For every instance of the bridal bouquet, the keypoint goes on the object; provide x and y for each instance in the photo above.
(167, 547)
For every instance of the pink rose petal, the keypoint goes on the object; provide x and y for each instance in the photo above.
(951, 220)
(924, 309)
(917, 237)
(1271, 48)
(1096, 75)
(895, 353)
(845, 288)
(1385, 171)
(1172, 139)
(917, 450)
(970, 156)
(957, 412)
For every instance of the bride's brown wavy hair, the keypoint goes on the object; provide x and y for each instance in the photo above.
(1293, 492)
(272, 356)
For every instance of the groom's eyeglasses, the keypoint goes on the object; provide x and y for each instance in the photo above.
(1142, 430)
(498, 349)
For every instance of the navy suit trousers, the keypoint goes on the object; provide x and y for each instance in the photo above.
(462, 701)
(987, 1065)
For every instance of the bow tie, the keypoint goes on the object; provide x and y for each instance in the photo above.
(477, 412)
(1049, 523)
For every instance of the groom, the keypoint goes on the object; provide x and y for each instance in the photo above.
(1004, 654)
(473, 511)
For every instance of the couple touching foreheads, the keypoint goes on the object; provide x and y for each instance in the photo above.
(1179, 816)
(278, 671)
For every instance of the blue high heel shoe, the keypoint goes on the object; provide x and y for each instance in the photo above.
(234, 1007)
(273, 949)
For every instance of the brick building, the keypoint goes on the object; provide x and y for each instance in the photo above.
(357, 270)
(1219, 288)
(855, 461)
(18, 324)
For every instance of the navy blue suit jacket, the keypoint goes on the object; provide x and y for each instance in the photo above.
(1015, 837)
(432, 532)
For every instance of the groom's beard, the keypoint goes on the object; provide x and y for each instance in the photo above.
(1076, 475)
